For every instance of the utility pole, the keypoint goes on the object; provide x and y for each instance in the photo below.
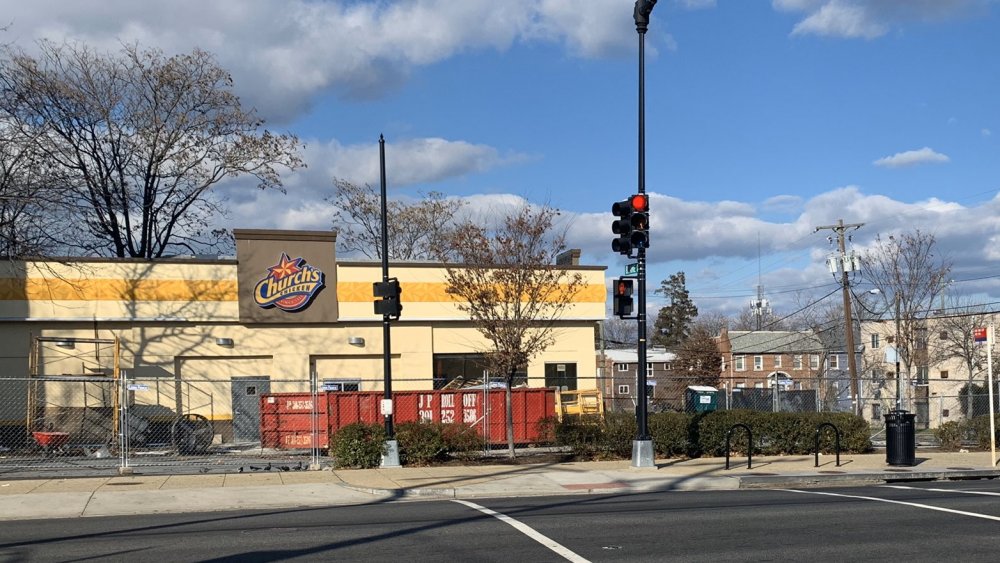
(846, 264)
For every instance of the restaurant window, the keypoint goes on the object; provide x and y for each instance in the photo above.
(561, 375)
(469, 369)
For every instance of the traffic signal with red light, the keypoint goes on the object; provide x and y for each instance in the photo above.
(389, 304)
(622, 300)
(639, 218)
(631, 225)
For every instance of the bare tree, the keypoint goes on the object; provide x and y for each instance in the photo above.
(138, 139)
(904, 267)
(32, 212)
(748, 320)
(698, 358)
(712, 322)
(417, 231)
(955, 340)
(505, 278)
(620, 333)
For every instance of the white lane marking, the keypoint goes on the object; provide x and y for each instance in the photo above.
(528, 531)
(983, 493)
(913, 504)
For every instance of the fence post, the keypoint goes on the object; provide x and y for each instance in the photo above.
(123, 424)
(836, 437)
(729, 436)
(314, 421)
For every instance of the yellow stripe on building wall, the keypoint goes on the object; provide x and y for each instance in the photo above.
(35, 289)
(435, 292)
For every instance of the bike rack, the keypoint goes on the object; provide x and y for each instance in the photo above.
(729, 436)
(836, 434)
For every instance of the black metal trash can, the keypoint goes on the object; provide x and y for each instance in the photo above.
(900, 438)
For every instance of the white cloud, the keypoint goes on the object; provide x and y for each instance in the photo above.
(925, 155)
(282, 53)
(716, 242)
(840, 20)
(408, 162)
(413, 161)
(986, 132)
(696, 4)
(869, 19)
(783, 203)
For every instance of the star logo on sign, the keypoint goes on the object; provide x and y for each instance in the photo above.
(285, 267)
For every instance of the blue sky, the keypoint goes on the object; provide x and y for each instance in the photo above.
(764, 119)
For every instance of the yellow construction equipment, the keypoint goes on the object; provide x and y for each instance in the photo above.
(584, 402)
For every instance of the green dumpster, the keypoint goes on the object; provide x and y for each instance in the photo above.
(701, 398)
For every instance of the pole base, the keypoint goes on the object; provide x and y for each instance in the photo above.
(642, 453)
(390, 456)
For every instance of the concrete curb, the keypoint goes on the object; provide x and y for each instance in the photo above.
(851, 479)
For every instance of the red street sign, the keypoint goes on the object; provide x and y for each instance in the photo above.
(979, 334)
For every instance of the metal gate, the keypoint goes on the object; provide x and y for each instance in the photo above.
(246, 406)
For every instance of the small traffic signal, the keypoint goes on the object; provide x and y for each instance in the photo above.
(639, 237)
(622, 227)
(622, 300)
(389, 304)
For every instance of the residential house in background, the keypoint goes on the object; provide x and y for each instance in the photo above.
(621, 373)
(931, 387)
(756, 362)
(763, 358)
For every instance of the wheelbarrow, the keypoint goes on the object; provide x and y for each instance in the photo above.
(50, 441)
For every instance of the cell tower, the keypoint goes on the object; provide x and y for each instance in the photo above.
(760, 307)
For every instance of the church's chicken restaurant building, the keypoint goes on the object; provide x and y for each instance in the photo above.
(209, 337)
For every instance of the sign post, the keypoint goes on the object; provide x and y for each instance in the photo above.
(990, 337)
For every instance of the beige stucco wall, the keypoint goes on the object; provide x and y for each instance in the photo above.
(943, 402)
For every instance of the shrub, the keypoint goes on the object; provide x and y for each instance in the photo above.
(581, 435)
(616, 436)
(781, 433)
(671, 432)
(713, 427)
(462, 441)
(951, 434)
(358, 445)
(678, 434)
(981, 430)
(420, 443)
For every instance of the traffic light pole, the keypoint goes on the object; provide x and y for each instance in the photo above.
(642, 447)
(390, 453)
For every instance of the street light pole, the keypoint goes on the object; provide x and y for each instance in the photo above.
(642, 447)
(899, 378)
(390, 455)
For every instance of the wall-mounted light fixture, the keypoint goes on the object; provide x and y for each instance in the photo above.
(66, 343)
(224, 342)
(356, 341)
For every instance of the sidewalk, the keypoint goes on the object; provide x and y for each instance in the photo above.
(147, 494)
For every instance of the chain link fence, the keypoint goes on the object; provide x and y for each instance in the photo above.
(99, 424)
(96, 425)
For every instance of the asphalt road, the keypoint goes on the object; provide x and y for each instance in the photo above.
(957, 521)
